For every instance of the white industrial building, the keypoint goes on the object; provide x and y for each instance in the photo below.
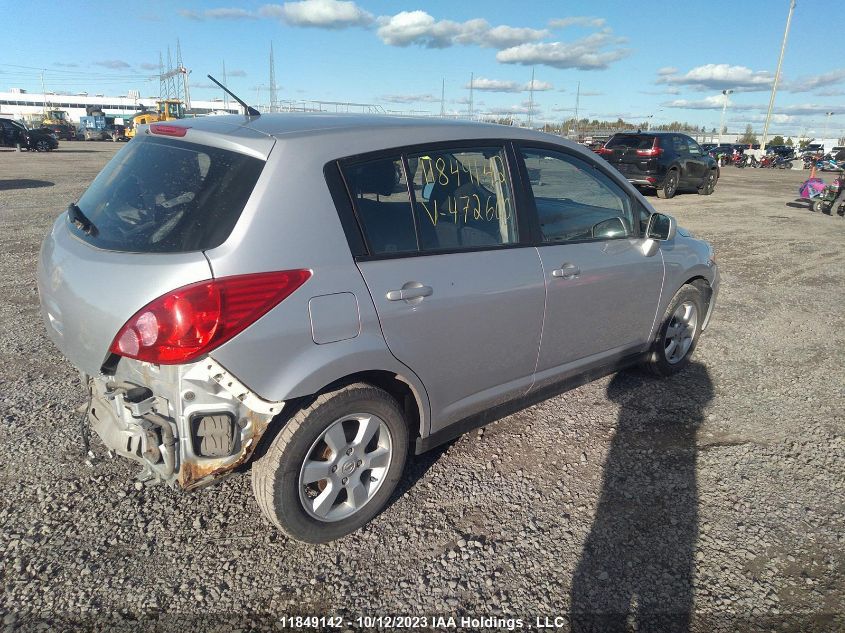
(20, 104)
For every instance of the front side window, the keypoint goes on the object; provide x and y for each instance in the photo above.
(694, 148)
(575, 201)
(462, 198)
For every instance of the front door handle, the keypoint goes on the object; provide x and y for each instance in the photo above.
(411, 290)
(567, 271)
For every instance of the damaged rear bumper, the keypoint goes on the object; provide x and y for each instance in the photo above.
(185, 424)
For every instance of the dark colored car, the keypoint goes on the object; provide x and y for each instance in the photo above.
(663, 161)
(13, 133)
(60, 131)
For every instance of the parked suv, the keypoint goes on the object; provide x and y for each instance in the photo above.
(310, 297)
(663, 161)
(13, 133)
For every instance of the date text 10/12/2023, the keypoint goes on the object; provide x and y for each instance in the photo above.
(472, 623)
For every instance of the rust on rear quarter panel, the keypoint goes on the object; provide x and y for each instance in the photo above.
(193, 476)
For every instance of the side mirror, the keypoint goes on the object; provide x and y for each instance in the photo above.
(661, 227)
(610, 228)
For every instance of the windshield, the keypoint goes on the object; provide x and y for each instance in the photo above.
(632, 141)
(165, 196)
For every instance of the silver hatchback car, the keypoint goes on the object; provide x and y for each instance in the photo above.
(312, 297)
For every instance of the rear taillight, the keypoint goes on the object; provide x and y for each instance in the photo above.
(654, 151)
(190, 321)
(168, 130)
(603, 151)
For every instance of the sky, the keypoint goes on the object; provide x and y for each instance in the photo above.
(636, 60)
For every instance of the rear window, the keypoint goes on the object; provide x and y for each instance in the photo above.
(166, 196)
(632, 141)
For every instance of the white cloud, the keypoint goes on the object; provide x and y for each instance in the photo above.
(539, 86)
(813, 82)
(417, 27)
(495, 85)
(667, 70)
(417, 98)
(114, 64)
(719, 77)
(236, 73)
(422, 29)
(588, 53)
(228, 14)
(500, 85)
(222, 13)
(325, 14)
(833, 92)
(714, 102)
(583, 20)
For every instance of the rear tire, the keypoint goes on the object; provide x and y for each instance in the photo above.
(355, 441)
(670, 185)
(678, 334)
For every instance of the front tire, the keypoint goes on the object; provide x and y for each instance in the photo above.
(334, 465)
(670, 186)
(42, 146)
(709, 184)
(678, 334)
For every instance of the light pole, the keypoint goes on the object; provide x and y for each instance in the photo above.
(826, 123)
(724, 109)
(777, 77)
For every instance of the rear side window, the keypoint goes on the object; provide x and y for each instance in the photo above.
(631, 141)
(167, 196)
(437, 200)
(380, 190)
(462, 199)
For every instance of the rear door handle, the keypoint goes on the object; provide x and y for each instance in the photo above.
(567, 271)
(411, 290)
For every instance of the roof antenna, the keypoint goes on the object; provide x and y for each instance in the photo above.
(250, 111)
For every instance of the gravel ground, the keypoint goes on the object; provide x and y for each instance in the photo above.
(708, 502)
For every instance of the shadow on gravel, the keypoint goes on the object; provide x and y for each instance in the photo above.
(636, 569)
(415, 469)
(24, 183)
(800, 203)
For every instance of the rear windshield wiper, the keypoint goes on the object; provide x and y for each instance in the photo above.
(81, 220)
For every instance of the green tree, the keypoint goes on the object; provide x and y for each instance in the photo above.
(778, 140)
(789, 142)
(749, 138)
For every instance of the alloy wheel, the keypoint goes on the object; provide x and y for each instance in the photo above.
(680, 332)
(345, 467)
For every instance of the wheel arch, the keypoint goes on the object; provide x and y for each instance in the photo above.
(702, 284)
(410, 397)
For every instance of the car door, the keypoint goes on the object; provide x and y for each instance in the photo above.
(458, 290)
(697, 165)
(602, 290)
(681, 150)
